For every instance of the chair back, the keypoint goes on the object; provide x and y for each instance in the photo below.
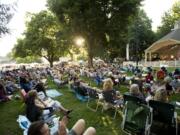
(136, 117)
(92, 93)
(109, 96)
(128, 97)
(162, 112)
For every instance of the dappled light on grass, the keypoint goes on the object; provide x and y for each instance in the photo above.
(103, 122)
(108, 122)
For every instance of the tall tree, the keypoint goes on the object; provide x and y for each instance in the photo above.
(94, 20)
(140, 35)
(43, 38)
(168, 20)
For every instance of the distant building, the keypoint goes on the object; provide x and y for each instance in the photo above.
(167, 48)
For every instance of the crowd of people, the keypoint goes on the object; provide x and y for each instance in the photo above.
(152, 85)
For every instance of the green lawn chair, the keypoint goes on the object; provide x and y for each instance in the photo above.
(137, 116)
(164, 118)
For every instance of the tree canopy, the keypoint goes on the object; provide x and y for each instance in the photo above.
(95, 20)
(168, 20)
(140, 35)
(43, 38)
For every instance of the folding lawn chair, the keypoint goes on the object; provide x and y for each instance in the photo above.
(93, 95)
(137, 116)
(111, 103)
(164, 117)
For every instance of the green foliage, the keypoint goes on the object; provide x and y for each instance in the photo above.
(20, 49)
(168, 20)
(28, 59)
(43, 38)
(94, 20)
(140, 35)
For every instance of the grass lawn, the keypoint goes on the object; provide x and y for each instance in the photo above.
(103, 122)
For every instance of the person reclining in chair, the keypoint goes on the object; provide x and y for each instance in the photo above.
(36, 107)
(41, 128)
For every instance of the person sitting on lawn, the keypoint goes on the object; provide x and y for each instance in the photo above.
(110, 95)
(161, 96)
(41, 128)
(149, 78)
(169, 87)
(40, 87)
(3, 94)
(175, 84)
(134, 91)
(24, 83)
(35, 106)
(159, 83)
(59, 81)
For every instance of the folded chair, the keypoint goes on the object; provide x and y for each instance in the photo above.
(137, 116)
(164, 117)
(93, 95)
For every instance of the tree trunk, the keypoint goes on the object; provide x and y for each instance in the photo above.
(90, 60)
(90, 53)
(51, 63)
(71, 55)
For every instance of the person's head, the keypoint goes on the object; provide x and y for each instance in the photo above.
(167, 79)
(134, 89)
(38, 128)
(163, 69)
(108, 84)
(161, 95)
(177, 71)
(32, 94)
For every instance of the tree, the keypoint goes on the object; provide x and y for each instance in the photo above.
(5, 16)
(43, 37)
(168, 20)
(140, 35)
(21, 54)
(94, 20)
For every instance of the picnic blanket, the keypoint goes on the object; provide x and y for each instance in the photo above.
(53, 93)
(81, 98)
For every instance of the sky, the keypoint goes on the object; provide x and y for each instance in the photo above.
(153, 8)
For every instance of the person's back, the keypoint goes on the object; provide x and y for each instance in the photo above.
(32, 111)
(40, 87)
(149, 78)
(3, 95)
(25, 84)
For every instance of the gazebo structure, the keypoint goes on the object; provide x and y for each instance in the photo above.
(168, 47)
